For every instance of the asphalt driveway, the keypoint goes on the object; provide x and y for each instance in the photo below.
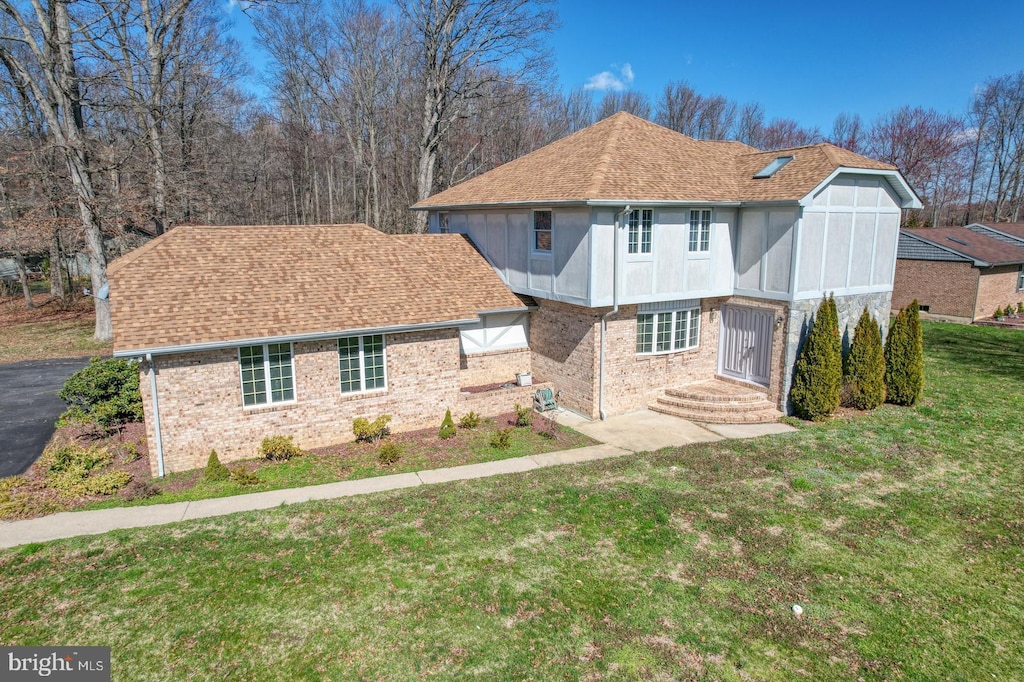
(28, 408)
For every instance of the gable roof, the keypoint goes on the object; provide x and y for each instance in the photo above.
(1011, 233)
(983, 249)
(198, 286)
(626, 158)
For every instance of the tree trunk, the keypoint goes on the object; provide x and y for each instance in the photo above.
(23, 276)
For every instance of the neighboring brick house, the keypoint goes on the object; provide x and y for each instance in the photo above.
(625, 266)
(659, 261)
(960, 274)
(249, 332)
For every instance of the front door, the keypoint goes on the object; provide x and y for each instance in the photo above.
(745, 347)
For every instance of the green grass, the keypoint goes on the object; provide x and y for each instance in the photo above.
(47, 331)
(900, 533)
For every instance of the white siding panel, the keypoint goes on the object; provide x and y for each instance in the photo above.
(540, 277)
(457, 223)
(670, 254)
(721, 251)
(842, 192)
(837, 253)
(638, 279)
(888, 198)
(572, 252)
(751, 234)
(518, 248)
(779, 256)
(863, 247)
(698, 275)
(885, 248)
(821, 198)
(812, 242)
(495, 332)
(867, 193)
(478, 229)
(497, 240)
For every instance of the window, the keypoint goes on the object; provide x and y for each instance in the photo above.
(773, 167)
(442, 222)
(1020, 278)
(257, 363)
(700, 230)
(667, 331)
(361, 363)
(641, 225)
(542, 231)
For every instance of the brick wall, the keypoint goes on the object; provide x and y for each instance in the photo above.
(493, 367)
(997, 287)
(947, 288)
(201, 402)
(563, 349)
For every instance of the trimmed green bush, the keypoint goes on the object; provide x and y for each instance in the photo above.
(904, 358)
(72, 471)
(447, 429)
(106, 392)
(1020, 307)
(389, 453)
(818, 375)
(865, 366)
(470, 420)
(244, 477)
(371, 432)
(502, 439)
(524, 415)
(106, 483)
(215, 471)
(279, 448)
(998, 313)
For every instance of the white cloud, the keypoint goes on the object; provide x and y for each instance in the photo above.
(610, 80)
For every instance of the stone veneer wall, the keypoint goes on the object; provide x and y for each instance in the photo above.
(996, 288)
(849, 309)
(493, 367)
(563, 340)
(201, 402)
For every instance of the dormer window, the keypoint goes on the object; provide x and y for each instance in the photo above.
(773, 167)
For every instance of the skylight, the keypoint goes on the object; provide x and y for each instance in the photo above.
(958, 241)
(773, 167)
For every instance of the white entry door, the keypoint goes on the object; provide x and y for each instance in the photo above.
(745, 345)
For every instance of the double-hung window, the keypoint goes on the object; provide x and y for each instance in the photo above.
(268, 375)
(667, 331)
(1020, 278)
(361, 363)
(542, 231)
(700, 230)
(641, 227)
(443, 220)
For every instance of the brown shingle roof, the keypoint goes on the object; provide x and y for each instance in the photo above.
(1013, 229)
(971, 244)
(624, 157)
(201, 285)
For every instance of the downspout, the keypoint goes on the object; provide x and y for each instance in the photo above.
(615, 308)
(156, 416)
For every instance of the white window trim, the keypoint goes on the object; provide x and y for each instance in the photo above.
(640, 254)
(698, 252)
(534, 251)
(444, 222)
(656, 315)
(266, 376)
(362, 364)
(1020, 278)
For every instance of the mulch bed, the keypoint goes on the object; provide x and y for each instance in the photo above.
(47, 309)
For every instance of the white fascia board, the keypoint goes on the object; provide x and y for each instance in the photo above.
(504, 311)
(500, 204)
(294, 338)
(909, 196)
(653, 203)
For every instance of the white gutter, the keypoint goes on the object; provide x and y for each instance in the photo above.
(615, 308)
(156, 416)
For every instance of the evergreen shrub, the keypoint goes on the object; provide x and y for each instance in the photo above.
(904, 358)
(865, 366)
(818, 375)
(447, 429)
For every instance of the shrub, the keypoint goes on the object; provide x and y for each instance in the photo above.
(865, 366)
(1020, 307)
(139, 490)
(818, 375)
(106, 483)
(904, 358)
(131, 453)
(106, 392)
(244, 477)
(72, 471)
(524, 415)
(371, 432)
(502, 439)
(447, 429)
(279, 448)
(215, 471)
(469, 421)
(998, 313)
(389, 453)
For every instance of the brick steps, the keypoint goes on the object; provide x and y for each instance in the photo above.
(717, 402)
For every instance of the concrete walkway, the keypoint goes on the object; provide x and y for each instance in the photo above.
(622, 435)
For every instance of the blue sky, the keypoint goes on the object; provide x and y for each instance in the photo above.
(800, 60)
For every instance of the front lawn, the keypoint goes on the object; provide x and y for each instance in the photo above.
(47, 331)
(898, 532)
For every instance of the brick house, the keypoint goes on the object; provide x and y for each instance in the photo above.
(960, 274)
(625, 266)
(662, 265)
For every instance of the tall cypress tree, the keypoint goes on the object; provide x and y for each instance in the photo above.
(904, 358)
(865, 366)
(818, 375)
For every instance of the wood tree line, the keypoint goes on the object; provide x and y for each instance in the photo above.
(127, 117)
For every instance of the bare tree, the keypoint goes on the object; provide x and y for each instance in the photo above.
(749, 127)
(37, 46)
(848, 132)
(465, 45)
(997, 148)
(631, 101)
(782, 133)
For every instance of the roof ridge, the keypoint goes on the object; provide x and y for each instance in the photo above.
(615, 121)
